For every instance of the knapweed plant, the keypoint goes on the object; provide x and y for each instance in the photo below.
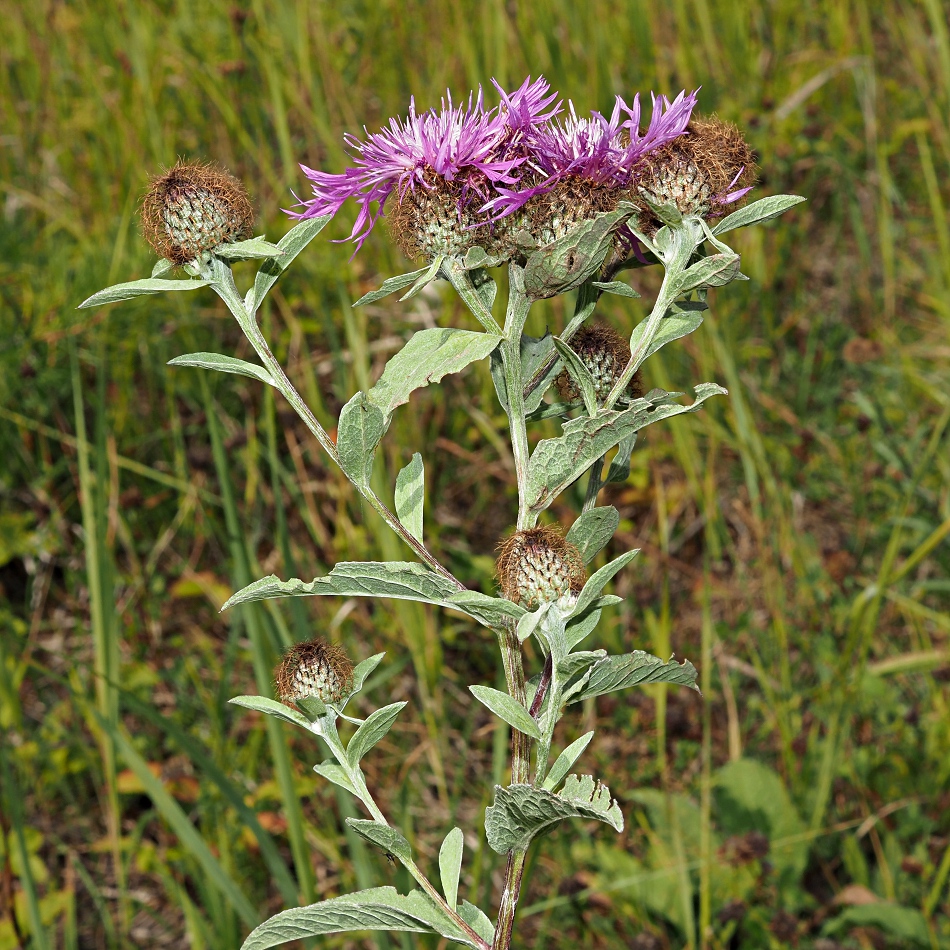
(567, 204)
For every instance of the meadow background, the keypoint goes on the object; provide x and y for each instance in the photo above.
(793, 534)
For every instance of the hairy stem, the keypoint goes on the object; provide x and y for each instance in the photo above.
(223, 284)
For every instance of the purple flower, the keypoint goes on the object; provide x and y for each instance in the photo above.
(600, 150)
(480, 149)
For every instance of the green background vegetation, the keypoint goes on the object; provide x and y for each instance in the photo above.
(793, 534)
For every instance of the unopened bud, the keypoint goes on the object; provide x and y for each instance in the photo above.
(605, 353)
(315, 668)
(539, 566)
(194, 208)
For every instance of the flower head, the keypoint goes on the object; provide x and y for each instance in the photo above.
(193, 208)
(605, 353)
(539, 566)
(452, 159)
(702, 172)
(314, 668)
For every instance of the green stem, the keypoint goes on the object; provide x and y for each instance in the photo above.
(223, 284)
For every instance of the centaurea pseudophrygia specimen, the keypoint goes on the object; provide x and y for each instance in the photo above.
(568, 203)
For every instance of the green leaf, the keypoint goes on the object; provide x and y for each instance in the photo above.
(430, 275)
(619, 470)
(162, 267)
(566, 760)
(362, 670)
(762, 210)
(578, 628)
(390, 286)
(450, 865)
(137, 288)
(384, 837)
(667, 212)
(359, 431)
(557, 463)
(487, 610)
(591, 532)
(404, 580)
(272, 708)
(253, 249)
(906, 924)
(617, 287)
(410, 496)
(529, 622)
(478, 257)
(426, 358)
(635, 669)
(372, 731)
(534, 352)
(311, 707)
(672, 327)
(521, 812)
(290, 245)
(508, 709)
(599, 580)
(713, 271)
(334, 773)
(567, 262)
(579, 373)
(379, 908)
(225, 364)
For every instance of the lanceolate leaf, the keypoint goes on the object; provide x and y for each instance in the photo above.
(359, 430)
(521, 812)
(290, 245)
(430, 275)
(579, 373)
(713, 271)
(556, 463)
(379, 908)
(372, 731)
(410, 496)
(635, 669)
(762, 210)
(362, 670)
(272, 708)
(566, 760)
(137, 288)
(404, 580)
(334, 773)
(599, 580)
(225, 364)
(673, 327)
(591, 532)
(253, 248)
(615, 287)
(508, 709)
(390, 286)
(384, 837)
(450, 865)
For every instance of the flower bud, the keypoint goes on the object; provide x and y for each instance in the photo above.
(539, 566)
(192, 209)
(315, 668)
(701, 172)
(605, 353)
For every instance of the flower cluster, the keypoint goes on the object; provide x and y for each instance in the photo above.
(470, 175)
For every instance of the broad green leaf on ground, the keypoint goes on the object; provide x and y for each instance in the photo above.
(410, 496)
(272, 708)
(379, 908)
(372, 731)
(508, 709)
(599, 580)
(762, 210)
(225, 364)
(361, 426)
(335, 773)
(557, 463)
(565, 761)
(634, 669)
(426, 358)
(450, 865)
(254, 248)
(390, 286)
(137, 288)
(591, 532)
(290, 245)
(521, 812)
(384, 837)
